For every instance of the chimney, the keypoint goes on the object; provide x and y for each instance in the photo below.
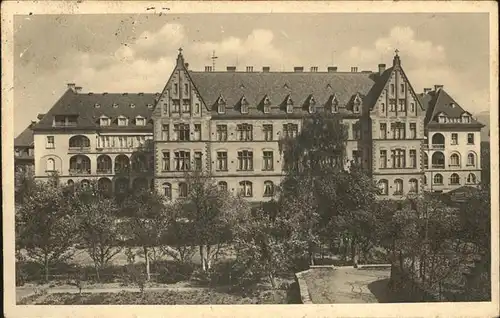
(366, 72)
(40, 116)
(141, 94)
(249, 69)
(231, 68)
(427, 90)
(78, 89)
(437, 87)
(354, 69)
(314, 69)
(105, 93)
(332, 69)
(90, 93)
(298, 69)
(186, 65)
(208, 69)
(266, 69)
(71, 86)
(381, 69)
(125, 94)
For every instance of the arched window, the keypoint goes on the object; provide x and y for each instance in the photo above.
(85, 183)
(454, 179)
(104, 164)
(79, 142)
(122, 164)
(438, 140)
(246, 188)
(438, 160)
(383, 186)
(398, 187)
(51, 165)
(183, 190)
(71, 183)
(139, 163)
(167, 190)
(268, 188)
(79, 164)
(222, 185)
(471, 178)
(104, 184)
(413, 185)
(426, 160)
(438, 179)
(471, 159)
(454, 160)
(121, 185)
(424, 179)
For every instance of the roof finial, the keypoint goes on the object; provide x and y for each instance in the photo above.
(396, 51)
(396, 60)
(180, 58)
(180, 50)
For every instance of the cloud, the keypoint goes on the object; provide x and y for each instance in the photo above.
(424, 62)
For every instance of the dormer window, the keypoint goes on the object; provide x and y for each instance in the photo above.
(312, 105)
(97, 105)
(221, 105)
(441, 118)
(104, 121)
(140, 121)
(465, 118)
(115, 105)
(289, 105)
(150, 106)
(357, 104)
(132, 105)
(244, 105)
(267, 105)
(335, 104)
(122, 121)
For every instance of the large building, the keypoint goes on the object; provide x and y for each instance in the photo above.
(229, 123)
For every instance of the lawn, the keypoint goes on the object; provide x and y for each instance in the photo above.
(348, 285)
(196, 297)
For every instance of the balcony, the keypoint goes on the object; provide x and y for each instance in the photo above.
(105, 171)
(79, 172)
(78, 149)
(437, 166)
(124, 149)
(434, 147)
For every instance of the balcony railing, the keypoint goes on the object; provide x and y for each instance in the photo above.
(124, 149)
(75, 172)
(438, 166)
(105, 171)
(122, 170)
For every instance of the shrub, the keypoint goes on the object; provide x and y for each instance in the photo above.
(170, 272)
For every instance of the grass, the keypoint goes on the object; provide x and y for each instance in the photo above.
(160, 298)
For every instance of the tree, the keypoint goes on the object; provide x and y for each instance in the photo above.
(46, 225)
(145, 222)
(210, 214)
(97, 224)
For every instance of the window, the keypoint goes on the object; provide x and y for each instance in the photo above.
(470, 139)
(182, 132)
(413, 130)
(176, 89)
(268, 160)
(392, 105)
(79, 164)
(454, 160)
(290, 130)
(183, 190)
(197, 131)
(166, 161)
(357, 156)
(186, 89)
(167, 190)
(122, 121)
(289, 105)
(454, 179)
(335, 105)
(412, 107)
(383, 158)
(441, 118)
(382, 107)
(437, 160)
(104, 122)
(140, 122)
(383, 186)
(245, 160)
(267, 105)
(356, 107)
(413, 158)
(244, 106)
(50, 142)
(471, 178)
(246, 188)
(402, 88)
(424, 179)
(268, 132)
(268, 189)
(221, 161)
(79, 142)
(356, 131)
(185, 106)
(413, 186)
(245, 132)
(197, 161)
(175, 106)
(165, 132)
(221, 132)
(398, 130)
(182, 160)
(197, 108)
(438, 179)
(392, 89)
(383, 131)
(471, 159)
(221, 106)
(454, 139)
(104, 164)
(398, 158)
(398, 187)
(466, 119)
(222, 186)
(51, 165)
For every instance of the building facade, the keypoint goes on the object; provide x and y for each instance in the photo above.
(229, 124)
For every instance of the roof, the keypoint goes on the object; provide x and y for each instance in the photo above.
(111, 105)
(278, 86)
(436, 102)
(24, 139)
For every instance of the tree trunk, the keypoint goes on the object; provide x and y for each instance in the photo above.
(46, 265)
(209, 259)
(98, 277)
(272, 280)
(311, 258)
(146, 257)
(202, 259)
(354, 253)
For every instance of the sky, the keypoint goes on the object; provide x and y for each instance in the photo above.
(136, 53)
